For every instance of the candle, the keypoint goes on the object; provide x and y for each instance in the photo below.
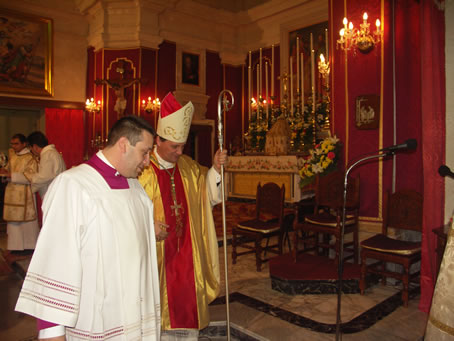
(291, 86)
(250, 58)
(260, 73)
(297, 64)
(326, 45)
(272, 70)
(302, 82)
(266, 89)
(313, 74)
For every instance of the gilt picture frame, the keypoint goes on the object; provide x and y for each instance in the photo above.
(26, 54)
(367, 111)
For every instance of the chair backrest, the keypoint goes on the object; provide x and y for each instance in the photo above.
(402, 210)
(329, 191)
(270, 201)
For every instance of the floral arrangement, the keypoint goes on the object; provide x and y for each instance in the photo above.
(322, 160)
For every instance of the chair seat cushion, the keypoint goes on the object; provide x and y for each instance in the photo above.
(383, 243)
(327, 219)
(260, 226)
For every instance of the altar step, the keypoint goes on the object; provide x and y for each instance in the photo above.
(312, 274)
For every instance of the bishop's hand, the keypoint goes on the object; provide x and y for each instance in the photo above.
(160, 230)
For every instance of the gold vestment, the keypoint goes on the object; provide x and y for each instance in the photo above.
(19, 204)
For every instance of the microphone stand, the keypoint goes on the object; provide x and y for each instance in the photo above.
(340, 268)
(222, 99)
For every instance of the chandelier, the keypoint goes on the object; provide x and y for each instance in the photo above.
(150, 106)
(91, 106)
(361, 38)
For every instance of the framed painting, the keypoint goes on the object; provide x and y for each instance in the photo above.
(367, 111)
(190, 68)
(25, 54)
(320, 45)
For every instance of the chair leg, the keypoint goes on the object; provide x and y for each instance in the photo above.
(362, 281)
(280, 243)
(295, 245)
(405, 282)
(258, 253)
(234, 254)
(266, 246)
(355, 246)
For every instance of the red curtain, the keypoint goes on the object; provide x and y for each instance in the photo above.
(433, 90)
(65, 129)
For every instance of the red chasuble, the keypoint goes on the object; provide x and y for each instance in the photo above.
(178, 258)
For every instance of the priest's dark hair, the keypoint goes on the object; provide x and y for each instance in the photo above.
(20, 137)
(131, 127)
(37, 138)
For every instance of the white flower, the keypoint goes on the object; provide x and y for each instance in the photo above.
(317, 168)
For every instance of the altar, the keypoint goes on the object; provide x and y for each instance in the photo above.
(245, 172)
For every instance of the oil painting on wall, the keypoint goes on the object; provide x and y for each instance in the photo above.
(25, 54)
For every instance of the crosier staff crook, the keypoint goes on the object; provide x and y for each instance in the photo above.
(222, 99)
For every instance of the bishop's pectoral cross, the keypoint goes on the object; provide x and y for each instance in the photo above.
(176, 210)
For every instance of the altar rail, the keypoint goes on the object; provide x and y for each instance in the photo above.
(245, 172)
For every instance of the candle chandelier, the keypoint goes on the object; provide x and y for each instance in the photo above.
(361, 38)
(92, 106)
(150, 106)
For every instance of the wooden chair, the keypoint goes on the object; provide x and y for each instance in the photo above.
(401, 211)
(327, 218)
(268, 222)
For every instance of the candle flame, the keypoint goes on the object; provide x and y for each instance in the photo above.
(365, 16)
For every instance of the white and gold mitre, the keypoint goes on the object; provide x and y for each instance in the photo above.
(174, 120)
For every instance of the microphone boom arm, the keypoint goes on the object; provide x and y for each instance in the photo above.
(340, 268)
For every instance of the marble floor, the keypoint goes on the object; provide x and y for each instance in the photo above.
(259, 313)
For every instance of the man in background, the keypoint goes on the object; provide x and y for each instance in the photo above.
(19, 205)
(183, 193)
(51, 162)
(94, 273)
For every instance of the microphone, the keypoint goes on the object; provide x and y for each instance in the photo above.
(445, 171)
(410, 144)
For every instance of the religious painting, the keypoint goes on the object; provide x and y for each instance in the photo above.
(300, 53)
(190, 68)
(367, 111)
(25, 54)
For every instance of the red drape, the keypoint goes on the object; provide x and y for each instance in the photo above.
(433, 89)
(65, 129)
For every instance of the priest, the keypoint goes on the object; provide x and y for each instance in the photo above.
(183, 193)
(19, 205)
(94, 274)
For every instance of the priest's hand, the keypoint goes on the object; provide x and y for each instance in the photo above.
(220, 158)
(160, 230)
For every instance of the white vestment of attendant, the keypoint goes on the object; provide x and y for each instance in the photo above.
(94, 269)
(51, 164)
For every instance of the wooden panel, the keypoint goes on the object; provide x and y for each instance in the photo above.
(244, 184)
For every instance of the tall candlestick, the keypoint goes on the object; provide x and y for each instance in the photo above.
(260, 68)
(249, 94)
(297, 64)
(302, 82)
(326, 45)
(258, 97)
(291, 86)
(313, 74)
(249, 77)
(272, 70)
(266, 90)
